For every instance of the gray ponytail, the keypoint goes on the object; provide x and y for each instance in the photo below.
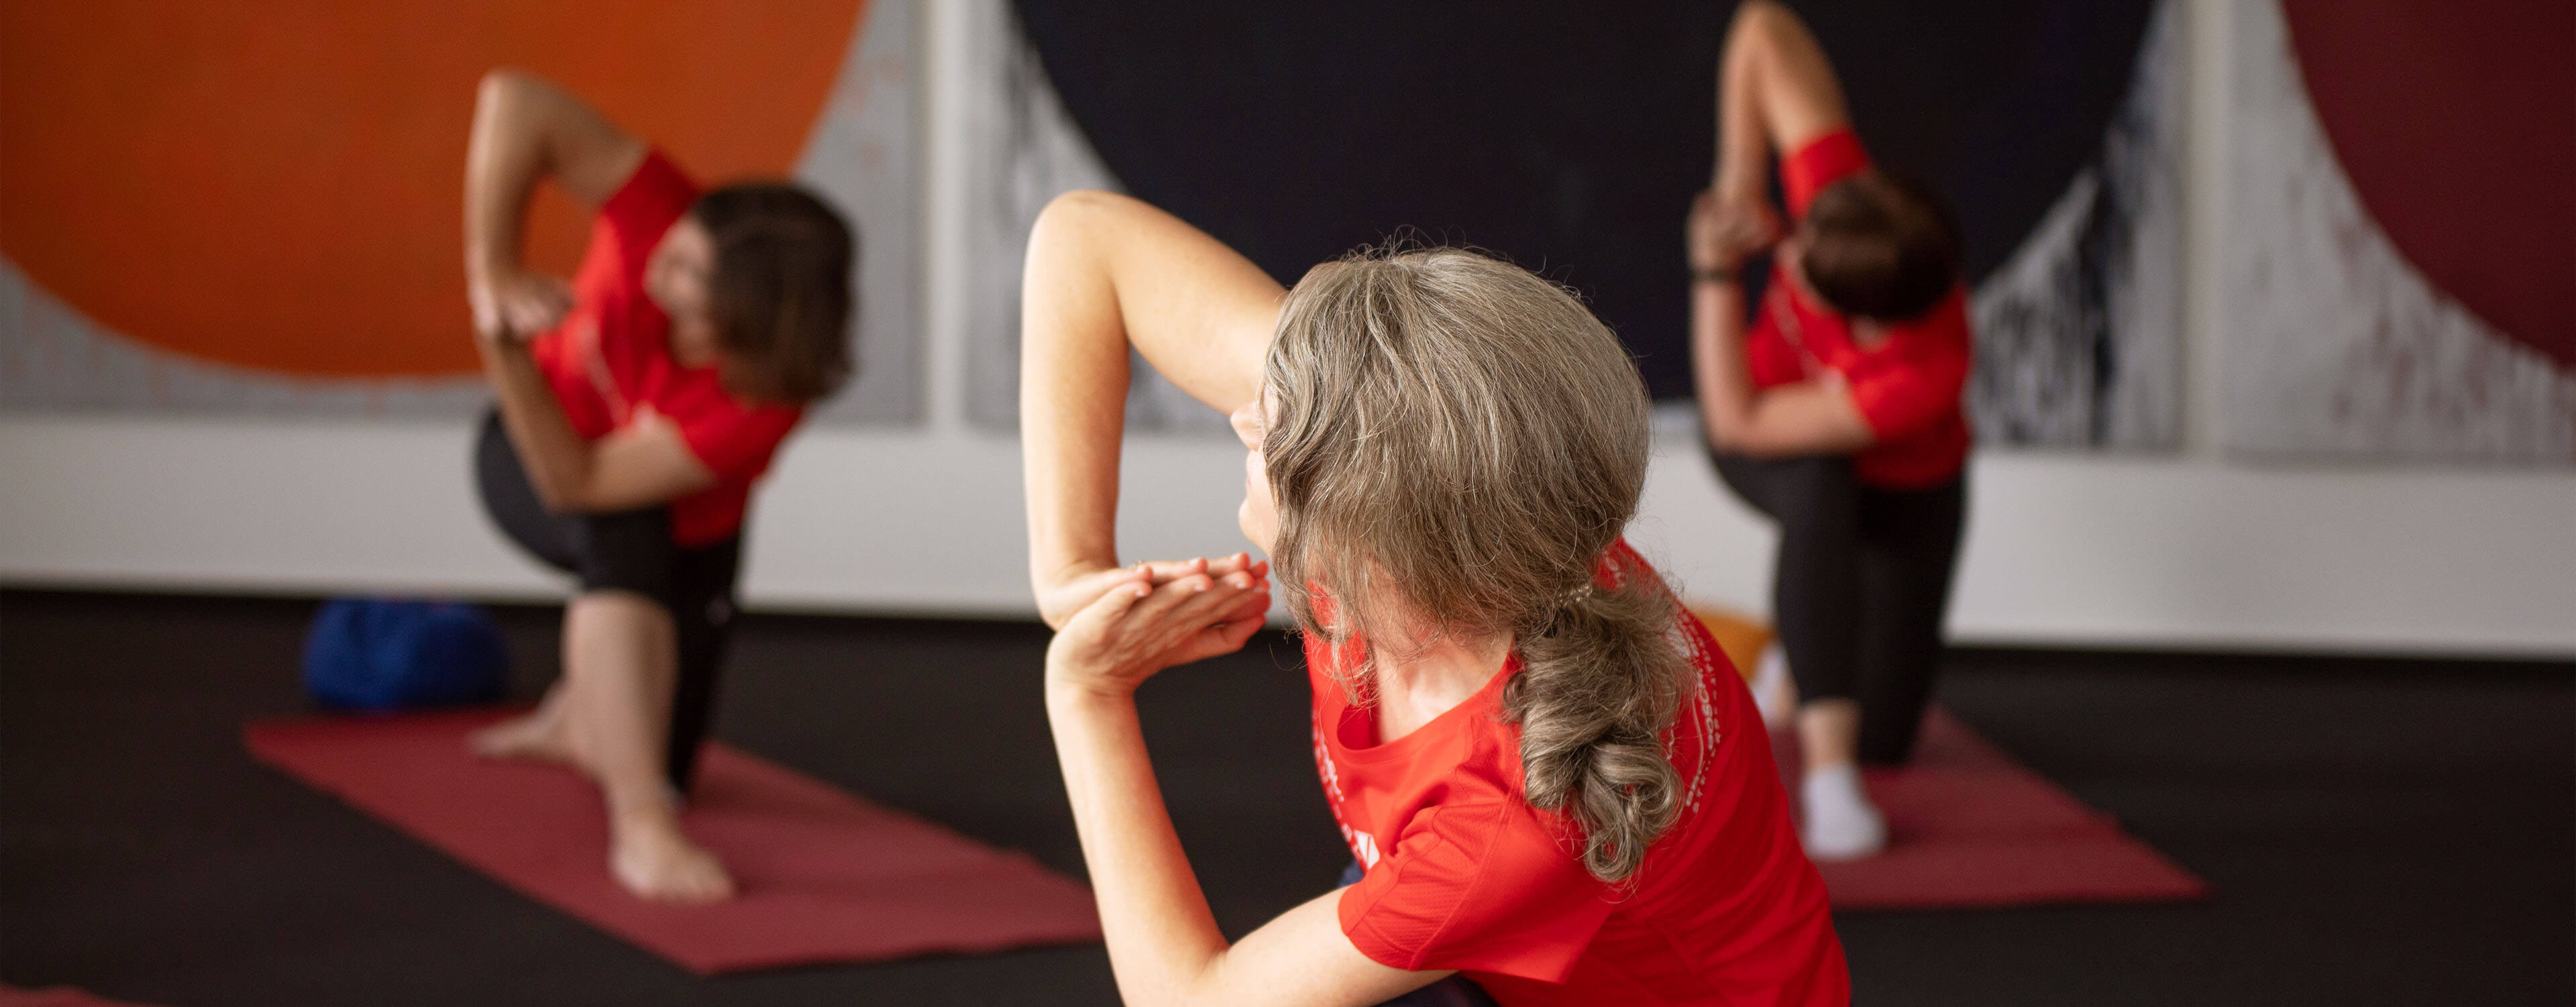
(1454, 445)
(1599, 684)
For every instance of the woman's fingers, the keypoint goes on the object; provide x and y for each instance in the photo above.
(1241, 562)
(1224, 604)
(1185, 606)
(1173, 595)
(1253, 606)
(1221, 638)
(1165, 571)
(1113, 604)
(1067, 596)
(1234, 634)
(1137, 627)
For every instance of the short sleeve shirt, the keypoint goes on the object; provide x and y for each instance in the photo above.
(610, 361)
(1907, 387)
(1461, 873)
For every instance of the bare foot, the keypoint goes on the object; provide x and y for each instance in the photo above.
(651, 857)
(539, 735)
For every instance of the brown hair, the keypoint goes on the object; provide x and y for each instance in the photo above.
(780, 291)
(1455, 444)
(1880, 246)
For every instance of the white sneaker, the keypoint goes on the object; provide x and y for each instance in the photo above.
(1774, 692)
(1841, 823)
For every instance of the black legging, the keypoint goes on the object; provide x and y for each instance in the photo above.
(629, 551)
(1860, 586)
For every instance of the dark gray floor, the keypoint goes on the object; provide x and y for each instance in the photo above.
(2379, 832)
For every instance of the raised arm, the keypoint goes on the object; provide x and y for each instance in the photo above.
(1107, 274)
(1775, 92)
(527, 129)
(1806, 417)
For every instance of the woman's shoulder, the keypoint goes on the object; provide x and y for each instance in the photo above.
(1944, 329)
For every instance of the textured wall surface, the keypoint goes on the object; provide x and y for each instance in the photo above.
(241, 353)
(2055, 126)
(2333, 343)
(2079, 334)
(1025, 150)
(2090, 548)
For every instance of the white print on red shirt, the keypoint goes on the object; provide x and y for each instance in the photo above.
(595, 366)
(1363, 845)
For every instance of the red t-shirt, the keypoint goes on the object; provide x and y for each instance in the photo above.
(610, 360)
(1461, 873)
(1907, 387)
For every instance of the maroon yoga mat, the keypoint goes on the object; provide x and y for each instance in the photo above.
(823, 876)
(55, 996)
(1970, 828)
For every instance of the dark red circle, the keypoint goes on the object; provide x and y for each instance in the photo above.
(2457, 124)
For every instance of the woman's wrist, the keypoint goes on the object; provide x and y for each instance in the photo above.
(503, 349)
(1712, 275)
(1073, 693)
(489, 266)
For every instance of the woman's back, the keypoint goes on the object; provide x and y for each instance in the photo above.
(1461, 873)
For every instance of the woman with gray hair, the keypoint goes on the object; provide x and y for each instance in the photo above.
(1554, 788)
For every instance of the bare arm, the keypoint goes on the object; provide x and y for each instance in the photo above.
(643, 463)
(1796, 419)
(1775, 92)
(1106, 273)
(526, 129)
(1164, 945)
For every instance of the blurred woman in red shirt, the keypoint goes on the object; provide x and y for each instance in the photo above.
(1839, 413)
(635, 406)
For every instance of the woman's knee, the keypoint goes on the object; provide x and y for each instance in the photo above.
(631, 551)
(1815, 496)
(1794, 488)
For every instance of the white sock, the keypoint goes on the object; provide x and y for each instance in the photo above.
(1841, 823)
(1773, 693)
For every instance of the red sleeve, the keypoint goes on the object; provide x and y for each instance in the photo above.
(1481, 887)
(1916, 378)
(1820, 162)
(642, 210)
(736, 442)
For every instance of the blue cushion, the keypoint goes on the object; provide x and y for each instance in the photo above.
(381, 655)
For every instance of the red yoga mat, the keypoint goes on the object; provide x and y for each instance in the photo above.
(822, 876)
(1970, 828)
(55, 996)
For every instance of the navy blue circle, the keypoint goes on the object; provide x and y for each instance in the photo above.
(1567, 137)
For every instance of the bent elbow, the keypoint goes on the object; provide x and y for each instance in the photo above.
(562, 494)
(1075, 203)
(504, 84)
(1743, 437)
(554, 500)
(1764, 19)
(1727, 434)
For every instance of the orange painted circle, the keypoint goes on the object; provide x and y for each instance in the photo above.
(280, 186)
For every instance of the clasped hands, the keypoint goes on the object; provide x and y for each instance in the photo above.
(1723, 231)
(511, 306)
(1115, 627)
